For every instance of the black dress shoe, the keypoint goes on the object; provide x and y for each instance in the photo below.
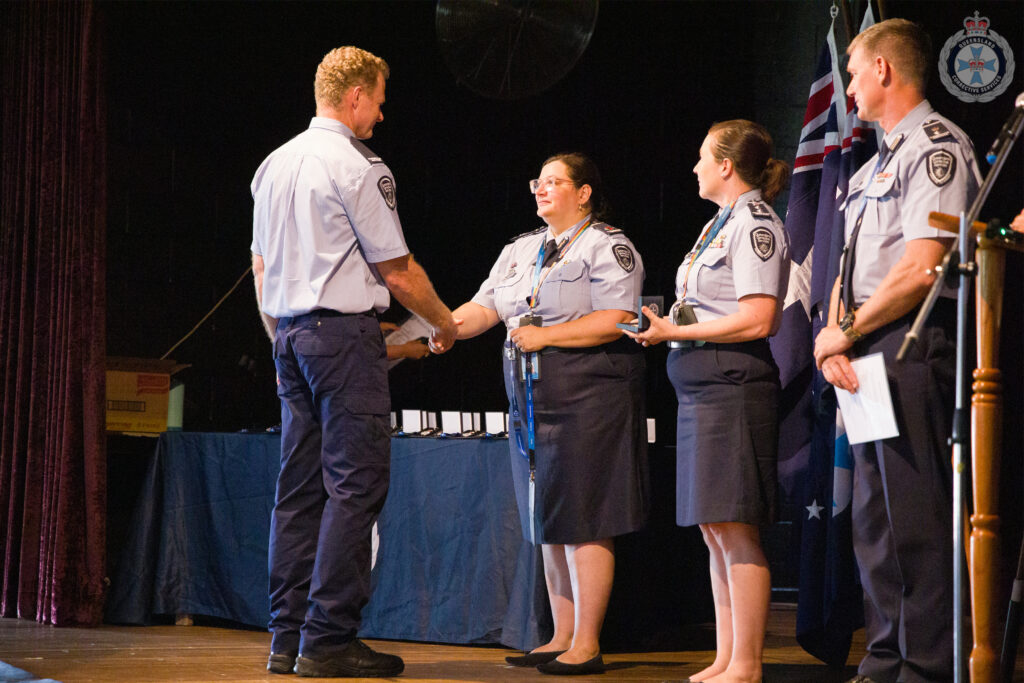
(355, 661)
(281, 662)
(557, 668)
(533, 658)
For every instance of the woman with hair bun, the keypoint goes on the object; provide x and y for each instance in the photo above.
(730, 289)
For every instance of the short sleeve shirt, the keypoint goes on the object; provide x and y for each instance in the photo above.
(324, 212)
(749, 255)
(932, 169)
(601, 270)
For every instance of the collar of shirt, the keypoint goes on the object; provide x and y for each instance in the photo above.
(912, 120)
(744, 199)
(331, 124)
(549, 235)
(907, 124)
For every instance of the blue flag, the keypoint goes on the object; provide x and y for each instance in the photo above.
(815, 466)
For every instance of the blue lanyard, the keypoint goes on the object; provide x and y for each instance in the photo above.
(708, 238)
(540, 259)
(531, 434)
(531, 440)
(530, 429)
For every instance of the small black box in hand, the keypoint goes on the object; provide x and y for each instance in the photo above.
(657, 306)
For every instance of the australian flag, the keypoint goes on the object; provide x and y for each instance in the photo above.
(815, 467)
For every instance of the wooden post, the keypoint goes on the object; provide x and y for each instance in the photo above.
(986, 438)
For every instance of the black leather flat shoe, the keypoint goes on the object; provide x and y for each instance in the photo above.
(557, 668)
(533, 658)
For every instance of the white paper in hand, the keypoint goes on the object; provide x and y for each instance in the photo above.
(868, 414)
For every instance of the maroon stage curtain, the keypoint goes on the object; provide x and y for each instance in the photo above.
(52, 313)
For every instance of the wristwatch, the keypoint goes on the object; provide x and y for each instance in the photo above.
(846, 326)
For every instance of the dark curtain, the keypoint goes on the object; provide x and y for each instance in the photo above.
(52, 314)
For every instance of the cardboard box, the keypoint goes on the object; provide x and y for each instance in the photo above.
(142, 396)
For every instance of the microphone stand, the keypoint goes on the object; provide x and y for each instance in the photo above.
(957, 261)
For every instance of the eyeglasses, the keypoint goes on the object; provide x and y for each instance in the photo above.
(547, 183)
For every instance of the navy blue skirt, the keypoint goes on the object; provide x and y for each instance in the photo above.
(727, 433)
(591, 445)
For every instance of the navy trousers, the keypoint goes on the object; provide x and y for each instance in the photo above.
(335, 468)
(902, 510)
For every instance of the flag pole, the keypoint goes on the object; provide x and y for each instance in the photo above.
(847, 20)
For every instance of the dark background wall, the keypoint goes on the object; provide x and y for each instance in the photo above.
(200, 93)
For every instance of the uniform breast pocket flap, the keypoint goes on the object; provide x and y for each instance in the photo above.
(567, 272)
(512, 280)
(885, 185)
(713, 257)
(709, 282)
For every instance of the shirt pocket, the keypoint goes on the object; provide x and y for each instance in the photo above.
(881, 194)
(566, 285)
(509, 293)
(712, 270)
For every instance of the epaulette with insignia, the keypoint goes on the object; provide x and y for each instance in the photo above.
(759, 209)
(527, 234)
(937, 131)
(606, 229)
(366, 151)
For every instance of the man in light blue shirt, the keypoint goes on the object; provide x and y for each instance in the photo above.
(328, 251)
(902, 494)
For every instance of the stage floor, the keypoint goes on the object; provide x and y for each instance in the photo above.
(155, 654)
(151, 654)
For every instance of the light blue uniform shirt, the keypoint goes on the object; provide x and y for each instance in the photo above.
(600, 271)
(932, 169)
(324, 213)
(750, 255)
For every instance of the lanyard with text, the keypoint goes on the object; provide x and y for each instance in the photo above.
(528, 449)
(538, 278)
(709, 236)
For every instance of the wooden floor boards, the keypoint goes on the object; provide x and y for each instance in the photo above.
(157, 654)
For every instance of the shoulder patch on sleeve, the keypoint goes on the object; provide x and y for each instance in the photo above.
(624, 257)
(527, 234)
(605, 228)
(387, 190)
(759, 209)
(941, 166)
(762, 240)
(365, 151)
(936, 131)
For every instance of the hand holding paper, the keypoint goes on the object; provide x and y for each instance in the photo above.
(868, 414)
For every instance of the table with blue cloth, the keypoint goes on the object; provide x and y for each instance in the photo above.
(452, 565)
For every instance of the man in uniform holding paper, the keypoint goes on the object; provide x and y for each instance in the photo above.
(902, 507)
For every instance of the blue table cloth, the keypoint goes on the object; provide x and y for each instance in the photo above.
(452, 565)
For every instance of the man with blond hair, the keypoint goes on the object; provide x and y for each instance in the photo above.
(328, 250)
(902, 507)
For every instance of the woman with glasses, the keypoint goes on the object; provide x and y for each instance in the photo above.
(729, 294)
(575, 388)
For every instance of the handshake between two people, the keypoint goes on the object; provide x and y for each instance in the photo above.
(442, 337)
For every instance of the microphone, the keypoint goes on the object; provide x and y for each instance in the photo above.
(1007, 134)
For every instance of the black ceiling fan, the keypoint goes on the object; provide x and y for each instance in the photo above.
(510, 49)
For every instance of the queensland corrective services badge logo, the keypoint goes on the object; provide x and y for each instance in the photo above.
(976, 64)
(387, 190)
